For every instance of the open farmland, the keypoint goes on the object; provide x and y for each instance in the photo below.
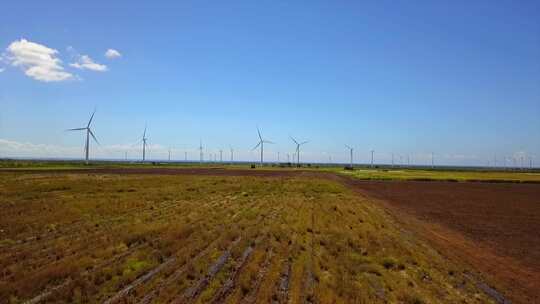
(443, 174)
(493, 226)
(79, 237)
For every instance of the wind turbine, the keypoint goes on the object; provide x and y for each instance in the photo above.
(372, 151)
(88, 134)
(351, 152)
(298, 150)
(143, 140)
(220, 156)
(232, 155)
(261, 143)
(200, 152)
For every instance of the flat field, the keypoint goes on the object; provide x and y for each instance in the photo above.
(441, 174)
(92, 237)
(494, 226)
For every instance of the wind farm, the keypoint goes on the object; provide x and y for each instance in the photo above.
(404, 190)
(288, 153)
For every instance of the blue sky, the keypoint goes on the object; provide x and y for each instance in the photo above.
(459, 78)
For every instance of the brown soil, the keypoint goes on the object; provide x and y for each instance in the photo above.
(494, 227)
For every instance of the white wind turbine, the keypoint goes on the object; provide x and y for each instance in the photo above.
(298, 150)
(144, 139)
(88, 134)
(200, 152)
(261, 143)
(351, 152)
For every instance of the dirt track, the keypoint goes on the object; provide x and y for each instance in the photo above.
(494, 227)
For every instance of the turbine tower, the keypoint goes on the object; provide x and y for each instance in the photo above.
(88, 134)
(351, 152)
(200, 152)
(372, 151)
(261, 143)
(232, 155)
(298, 150)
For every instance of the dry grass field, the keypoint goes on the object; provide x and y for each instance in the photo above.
(114, 238)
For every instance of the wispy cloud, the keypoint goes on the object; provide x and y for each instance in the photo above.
(37, 61)
(84, 62)
(112, 54)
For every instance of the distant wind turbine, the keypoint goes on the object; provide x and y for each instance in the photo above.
(351, 152)
(88, 134)
(200, 152)
(232, 155)
(372, 151)
(298, 150)
(144, 140)
(261, 143)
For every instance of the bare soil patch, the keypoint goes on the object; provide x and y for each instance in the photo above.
(495, 227)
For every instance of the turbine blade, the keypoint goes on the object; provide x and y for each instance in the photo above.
(257, 145)
(93, 136)
(91, 117)
(268, 142)
(305, 142)
(76, 129)
(144, 134)
(259, 132)
(294, 140)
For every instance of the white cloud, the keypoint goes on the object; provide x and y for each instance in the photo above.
(112, 53)
(86, 63)
(37, 61)
(2, 69)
